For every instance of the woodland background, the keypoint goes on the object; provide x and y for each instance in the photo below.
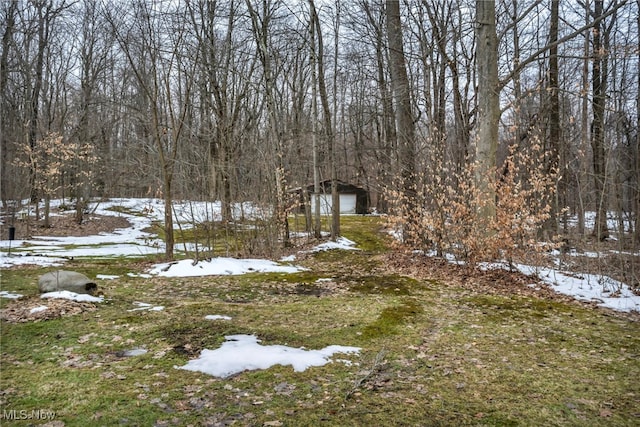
(488, 121)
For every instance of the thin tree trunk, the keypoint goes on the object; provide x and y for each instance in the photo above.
(317, 225)
(43, 35)
(387, 139)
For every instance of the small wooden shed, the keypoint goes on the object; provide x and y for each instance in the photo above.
(353, 199)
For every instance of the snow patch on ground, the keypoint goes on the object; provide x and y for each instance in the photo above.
(38, 309)
(5, 294)
(129, 242)
(603, 290)
(134, 242)
(243, 352)
(134, 352)
(72, 296)
(20, 259)
(220, 266)
(340, 243)
(145, 306)
(141, 275)
(216, 317)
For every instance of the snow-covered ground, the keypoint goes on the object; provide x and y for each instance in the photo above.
(340, 243)
(128, 242)
(72, 296)
(220, 266)
(613, 223)
(603, 290)
(244, 352)
(10, 295)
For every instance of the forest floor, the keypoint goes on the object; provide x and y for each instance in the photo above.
(440, 345)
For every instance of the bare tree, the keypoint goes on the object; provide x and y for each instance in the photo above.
(367, 21)
(328, 126)
(599, 80)
(7, 115)
(224, 84)
(166, 77)
(46, 12)
(93, 51)
(552, 154)
(405, 127)
(488, 95)
(261, 25)
(317, 223)
(636, 237)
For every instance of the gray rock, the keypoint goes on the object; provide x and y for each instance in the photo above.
(63, 280)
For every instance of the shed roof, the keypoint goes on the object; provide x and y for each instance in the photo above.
(343, 187)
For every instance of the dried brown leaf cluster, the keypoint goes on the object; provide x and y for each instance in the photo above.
(446, 215)
(20, 310)
(52, 158)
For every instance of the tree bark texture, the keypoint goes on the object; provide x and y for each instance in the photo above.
(405, 127)
(598, 104)
(488, 113)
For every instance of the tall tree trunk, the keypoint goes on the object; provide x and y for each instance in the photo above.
(317, 224)
(88, 77)
(43, 39)
(260, 32)
(552, 155)
(599, 88)
(7, 37)
(488, 116)
(335, 197)
(218, 63)
(169, 239)
(405, 127)
(156, 79)
(584, 129)
(636, 189)
(387, 138)
(166, 164)
(328, 126)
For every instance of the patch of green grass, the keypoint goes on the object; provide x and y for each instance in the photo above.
(393, 284)
(23, 280)
(357, 261)
(498, 307)
(391, 318)
(365, 231)
(305, 277)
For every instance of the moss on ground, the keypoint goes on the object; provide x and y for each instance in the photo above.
(391, 319)
(393, 284)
